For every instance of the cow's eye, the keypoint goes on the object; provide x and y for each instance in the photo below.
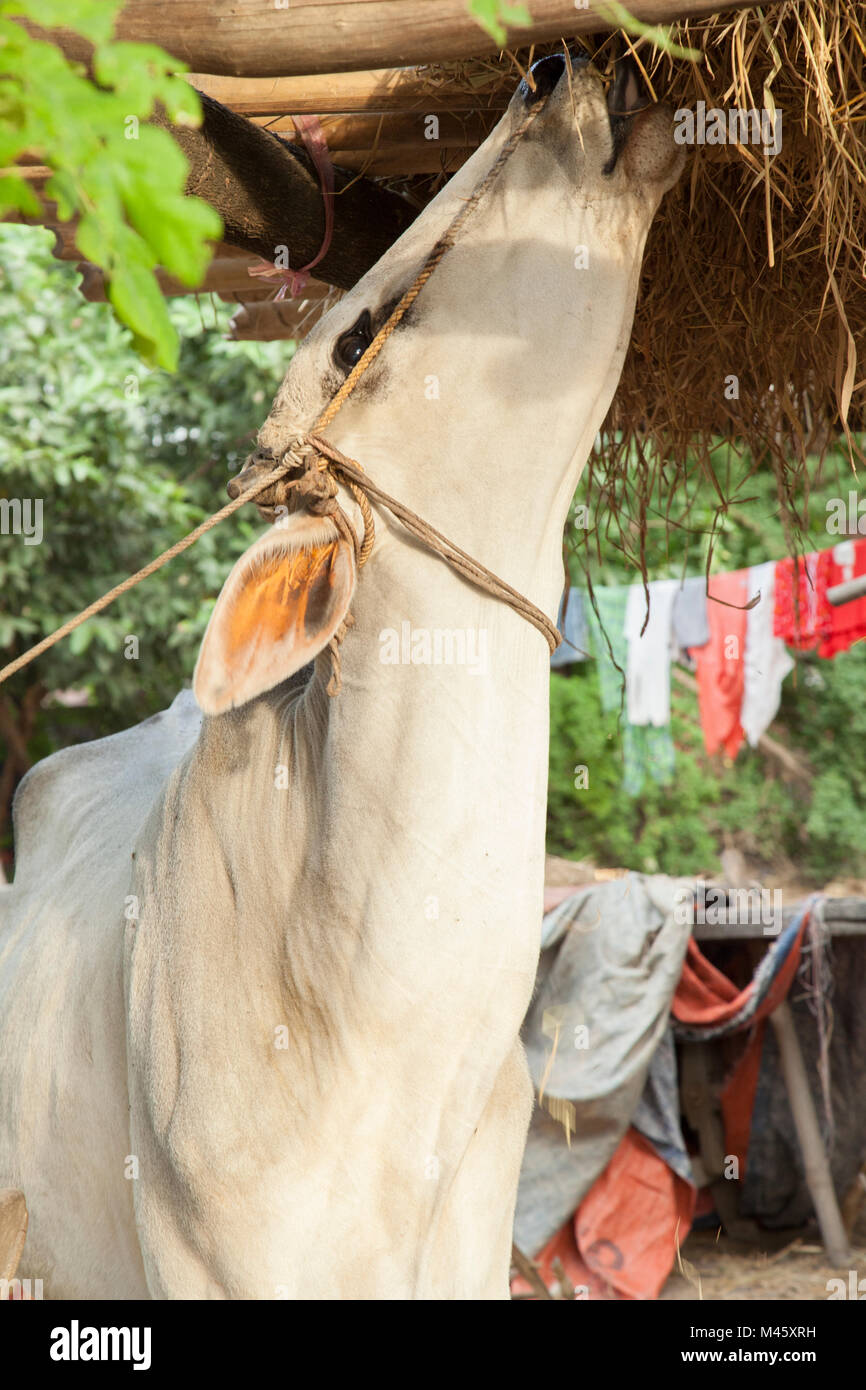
(351, 346)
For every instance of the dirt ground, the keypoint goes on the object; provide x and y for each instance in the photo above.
(720, 1270)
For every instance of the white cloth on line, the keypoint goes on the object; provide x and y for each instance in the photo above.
(648, 665)
(766, 659)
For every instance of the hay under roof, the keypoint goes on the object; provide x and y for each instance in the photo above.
(755, 266)
(751, 317)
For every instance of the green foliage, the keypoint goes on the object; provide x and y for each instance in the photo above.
(125, 460)
(493, 15)
(619, 16)
(123, 179)
(681, 829)
(674, 829)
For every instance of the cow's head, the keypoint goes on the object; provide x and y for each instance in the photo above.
(483, 405)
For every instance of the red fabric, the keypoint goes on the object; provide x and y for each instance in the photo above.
(803, 618)
(622, 1241)
(706, 996)
(720, 668)
(848, 623)
(623, 1238)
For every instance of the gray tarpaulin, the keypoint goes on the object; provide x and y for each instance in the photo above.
(611, 960)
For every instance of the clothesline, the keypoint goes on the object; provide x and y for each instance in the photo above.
(738, 648)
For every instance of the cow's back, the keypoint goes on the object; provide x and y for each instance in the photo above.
(64, 1127)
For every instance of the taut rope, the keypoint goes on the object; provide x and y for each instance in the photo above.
(320, 464)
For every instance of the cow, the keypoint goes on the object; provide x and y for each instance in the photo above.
(265, 957)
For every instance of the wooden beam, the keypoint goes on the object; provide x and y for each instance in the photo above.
(383, 89)
(842, 917)
(248, 38)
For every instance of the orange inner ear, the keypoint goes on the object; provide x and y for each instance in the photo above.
(294, 590)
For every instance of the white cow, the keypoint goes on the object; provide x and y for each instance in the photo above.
(262, 972)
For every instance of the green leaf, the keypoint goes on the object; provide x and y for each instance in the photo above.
(493, 15)
(124, 179)
(94, 19)
(138, 302)
(17, 193)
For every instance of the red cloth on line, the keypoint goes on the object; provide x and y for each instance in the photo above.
(847, 623)
(720, 668)
(802, 616)
(621, 1243)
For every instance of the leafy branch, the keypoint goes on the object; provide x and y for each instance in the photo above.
(121, 178)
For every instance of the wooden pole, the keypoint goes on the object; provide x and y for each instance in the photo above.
(818, 1177)
(246, 38)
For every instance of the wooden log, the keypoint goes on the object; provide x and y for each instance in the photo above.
(817, 1169)
(383, 89)
(246, 38)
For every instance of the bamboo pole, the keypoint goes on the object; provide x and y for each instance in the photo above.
(817, 1169)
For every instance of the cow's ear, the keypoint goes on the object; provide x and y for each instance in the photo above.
(280, 606)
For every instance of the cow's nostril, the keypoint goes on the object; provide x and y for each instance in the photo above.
(546, 73)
